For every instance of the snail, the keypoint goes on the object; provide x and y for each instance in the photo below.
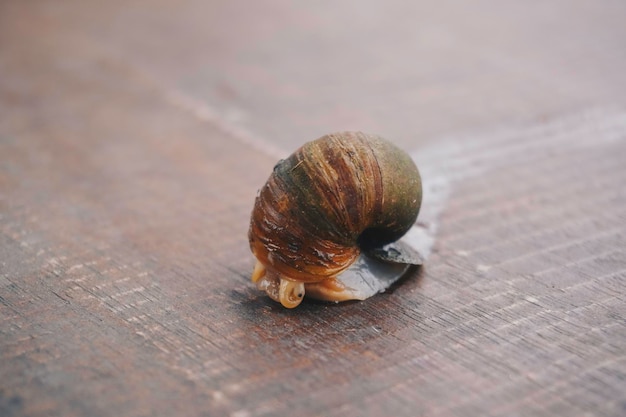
(333, 199)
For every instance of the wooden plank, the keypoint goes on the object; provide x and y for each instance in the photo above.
(127, 177)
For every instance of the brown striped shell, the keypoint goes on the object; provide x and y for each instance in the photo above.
(330, 199)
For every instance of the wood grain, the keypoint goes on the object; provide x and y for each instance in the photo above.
(134, 138)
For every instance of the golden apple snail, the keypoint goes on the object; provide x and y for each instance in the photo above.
(333, 199)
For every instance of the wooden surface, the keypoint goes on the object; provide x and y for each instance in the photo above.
(134, 136)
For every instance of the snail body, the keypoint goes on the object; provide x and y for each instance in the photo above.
(322, 206)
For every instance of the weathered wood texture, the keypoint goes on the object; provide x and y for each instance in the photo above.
(134, 136)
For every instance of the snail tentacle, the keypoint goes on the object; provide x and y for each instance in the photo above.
(259, 271)
(290, 293)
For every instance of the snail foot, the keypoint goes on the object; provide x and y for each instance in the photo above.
(331, 289)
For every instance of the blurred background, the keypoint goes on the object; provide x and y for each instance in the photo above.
(291, 71)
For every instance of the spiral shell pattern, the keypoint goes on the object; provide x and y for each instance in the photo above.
(330, 199)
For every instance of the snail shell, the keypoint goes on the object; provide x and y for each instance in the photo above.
(331, 199)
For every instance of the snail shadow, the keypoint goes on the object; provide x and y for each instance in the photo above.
(328, 339)
(254, 301)
(325, 338)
